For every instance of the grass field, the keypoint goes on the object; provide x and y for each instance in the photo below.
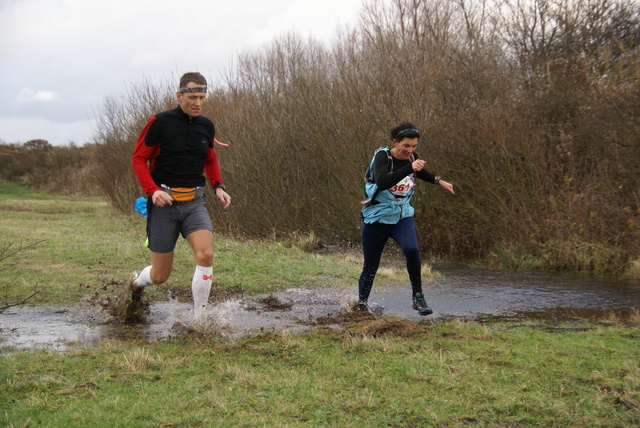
(372, 372)
(73, 246)
(445, 375)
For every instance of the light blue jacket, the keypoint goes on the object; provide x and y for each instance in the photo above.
(388, 209)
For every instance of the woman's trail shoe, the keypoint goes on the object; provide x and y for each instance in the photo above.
(420, 305)
(362, 306)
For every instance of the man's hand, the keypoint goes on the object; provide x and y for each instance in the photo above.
(160, 198)
(223, 198)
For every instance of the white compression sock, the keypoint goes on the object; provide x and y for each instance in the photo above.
(200, 288)
(145, 278)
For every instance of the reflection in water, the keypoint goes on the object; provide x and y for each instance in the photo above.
(462, 292)
(480, 291)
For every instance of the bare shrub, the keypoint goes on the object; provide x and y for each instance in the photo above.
(6, 252)
(121, 124)
(71, 171)
(285, 152)
(63, 170)
(529, 108)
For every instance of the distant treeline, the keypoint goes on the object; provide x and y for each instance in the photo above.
(531, 108)
(65, 170)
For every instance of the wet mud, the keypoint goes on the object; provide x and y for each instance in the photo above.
(469, 294)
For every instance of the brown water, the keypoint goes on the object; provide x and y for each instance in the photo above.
(474, 294)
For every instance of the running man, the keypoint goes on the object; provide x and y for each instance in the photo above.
(171, 156)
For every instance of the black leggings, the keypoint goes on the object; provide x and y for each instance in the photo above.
(374, 238)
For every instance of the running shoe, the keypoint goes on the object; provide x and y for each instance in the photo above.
(363, 306)
(420, 305)
(136, 292)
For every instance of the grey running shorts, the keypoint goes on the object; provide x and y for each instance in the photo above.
(164, 223)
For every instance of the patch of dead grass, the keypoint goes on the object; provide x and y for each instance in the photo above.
(367, 324)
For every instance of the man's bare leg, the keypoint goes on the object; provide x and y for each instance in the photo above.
(156, 273)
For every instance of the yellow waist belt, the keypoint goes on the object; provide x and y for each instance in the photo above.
(183, 194)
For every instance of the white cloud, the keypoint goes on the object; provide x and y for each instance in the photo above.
(56, 133)
(29, 95)
(84, 51)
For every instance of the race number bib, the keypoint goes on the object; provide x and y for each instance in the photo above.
(401, 189)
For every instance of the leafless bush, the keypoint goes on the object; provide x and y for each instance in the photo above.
(64, 170)
(6, 253)
(529, 108)
(121, 123)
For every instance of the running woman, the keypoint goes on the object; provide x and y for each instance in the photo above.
(389, 214)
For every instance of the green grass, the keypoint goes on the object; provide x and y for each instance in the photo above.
(76, 246)
(451, 374)
(13, 190)
(373, 371)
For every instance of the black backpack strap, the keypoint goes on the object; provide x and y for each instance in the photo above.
(372, 201)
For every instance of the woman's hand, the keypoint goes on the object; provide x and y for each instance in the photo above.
(446, 186)
(417, 165)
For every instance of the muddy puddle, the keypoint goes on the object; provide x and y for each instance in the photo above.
(473, 294)
(88, 324)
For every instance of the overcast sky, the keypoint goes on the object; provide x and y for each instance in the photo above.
(60, 59)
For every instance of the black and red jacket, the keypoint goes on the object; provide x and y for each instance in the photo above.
(176, 150)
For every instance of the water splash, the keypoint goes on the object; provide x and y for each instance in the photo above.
(214, 320)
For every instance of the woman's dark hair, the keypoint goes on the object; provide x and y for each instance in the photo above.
(404, 130)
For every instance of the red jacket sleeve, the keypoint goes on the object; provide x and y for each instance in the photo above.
(212, 168)
(143, 160)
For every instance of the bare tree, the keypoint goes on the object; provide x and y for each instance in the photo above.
(5, 253)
